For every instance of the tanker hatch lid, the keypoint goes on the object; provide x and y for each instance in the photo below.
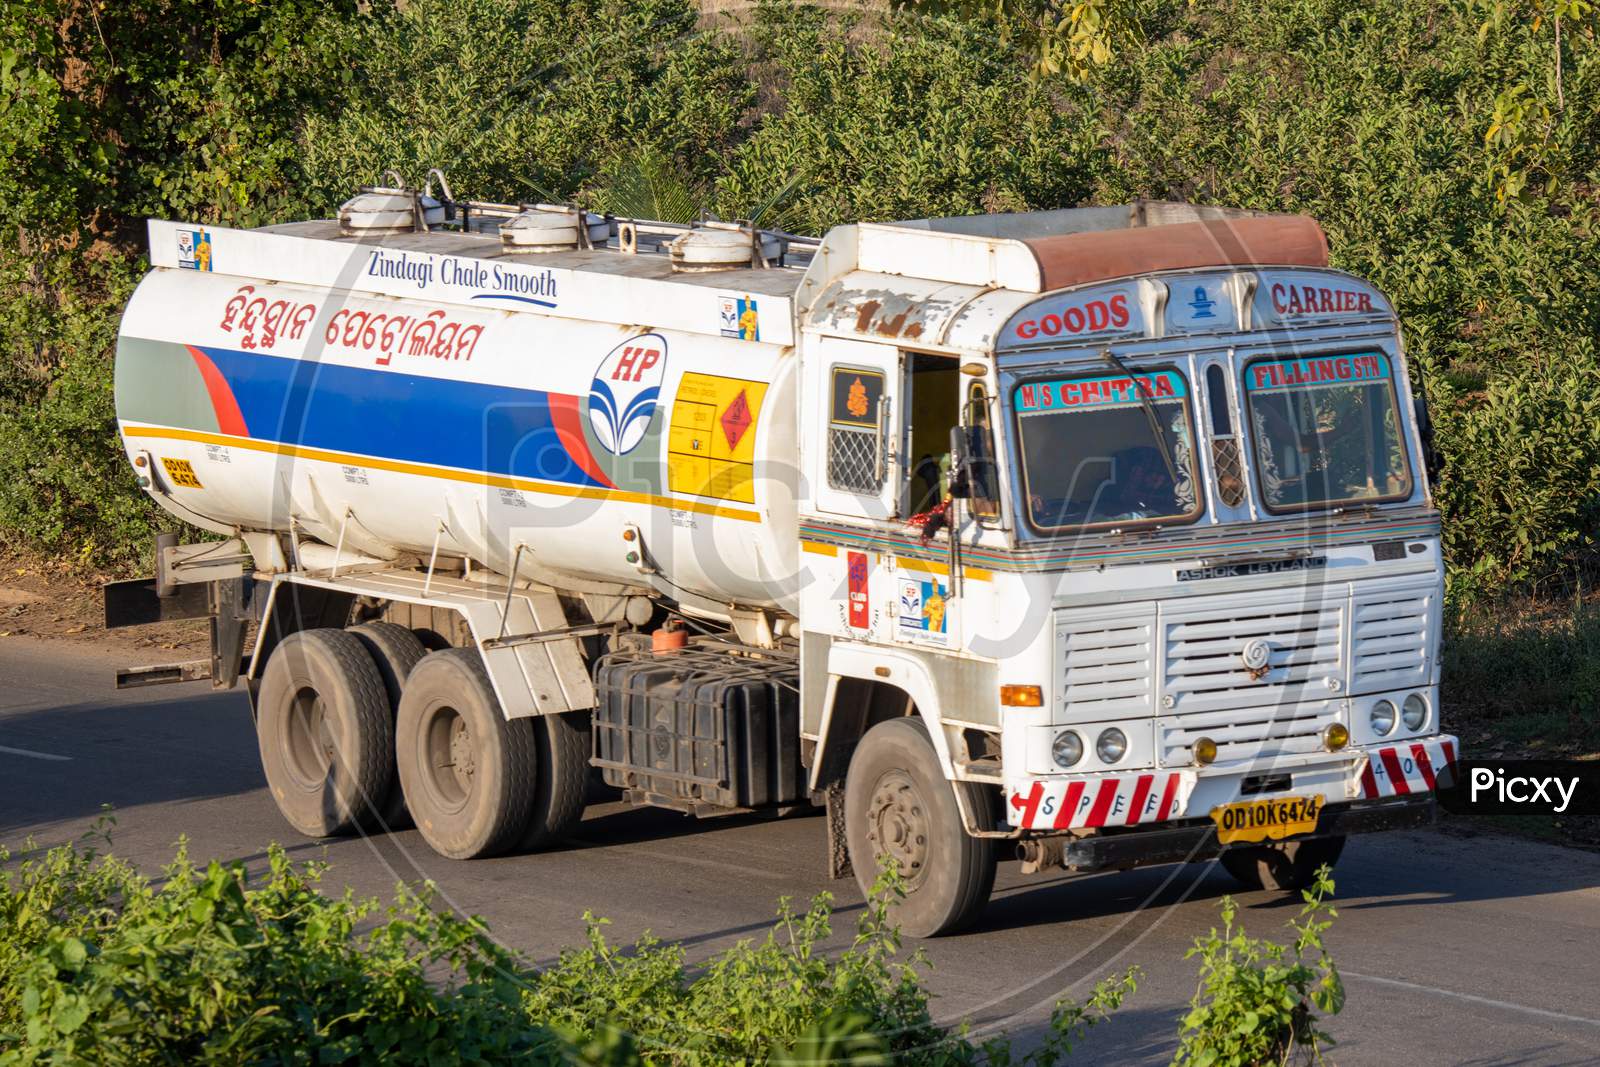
(718, 246)
(545, 228)
(393, 207)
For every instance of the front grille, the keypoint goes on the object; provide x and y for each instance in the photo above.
(1185, 663)
(1247, 733)
(1205, 664)
(1391, 641)
(1107, 663)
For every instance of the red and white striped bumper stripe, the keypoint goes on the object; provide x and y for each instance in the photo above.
(1408, 767)
(1102, 800)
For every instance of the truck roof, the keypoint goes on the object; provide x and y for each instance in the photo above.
(946, 284)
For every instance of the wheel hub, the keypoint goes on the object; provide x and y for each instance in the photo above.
(897, 824)
(463, 757)
(308, 739)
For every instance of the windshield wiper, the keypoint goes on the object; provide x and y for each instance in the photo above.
(1149, 413)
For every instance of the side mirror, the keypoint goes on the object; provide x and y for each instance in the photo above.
(1430, 455)
(960, 486)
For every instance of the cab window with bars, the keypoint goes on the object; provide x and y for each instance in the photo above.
(855, 430)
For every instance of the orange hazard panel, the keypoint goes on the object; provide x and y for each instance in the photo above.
(1266, 241)
(711, 441)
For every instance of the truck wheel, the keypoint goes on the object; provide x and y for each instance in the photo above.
(899, 804)
(325, 731)
(395, 650)
(469, 774)
(563, 782)
(1291, 865)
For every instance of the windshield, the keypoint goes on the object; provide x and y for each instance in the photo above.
(1092, 455)
(1327, 431)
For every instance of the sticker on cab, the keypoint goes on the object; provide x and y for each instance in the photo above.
(856, 396)
(924, 610)
(194, 249)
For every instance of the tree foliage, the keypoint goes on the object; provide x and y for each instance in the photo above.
(1452, 153)
(1062, 37)
(922, 117)
(526, 99)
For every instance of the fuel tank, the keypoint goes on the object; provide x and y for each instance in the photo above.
(405, 428)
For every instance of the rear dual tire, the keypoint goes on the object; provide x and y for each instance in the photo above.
(395, 650)
(362, 729)
(326, 733)
(479, 784)
(1289, 866)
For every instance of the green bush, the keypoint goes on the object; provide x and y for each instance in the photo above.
(99, 965)
(523, 100)
(1525, 670)
(1523, 477)
(1435, 144)
(1258, 1000)
(903, 118)
(176, 108)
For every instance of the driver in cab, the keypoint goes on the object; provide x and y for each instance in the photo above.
(1139, 486)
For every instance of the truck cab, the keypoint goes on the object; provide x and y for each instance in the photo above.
(1185, 588)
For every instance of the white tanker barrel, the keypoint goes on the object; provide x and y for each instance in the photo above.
(399, 424)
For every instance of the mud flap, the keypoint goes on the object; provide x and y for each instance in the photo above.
(838, 850)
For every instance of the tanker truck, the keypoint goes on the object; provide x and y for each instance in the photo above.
(1096, 537)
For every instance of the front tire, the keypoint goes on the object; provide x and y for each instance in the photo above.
(325, 732)
(1289, 866)
(898, 804)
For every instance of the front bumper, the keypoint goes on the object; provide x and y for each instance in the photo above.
(1196, 839)
(1146, 798)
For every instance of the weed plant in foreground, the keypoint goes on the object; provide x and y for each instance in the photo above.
(1258, 1001)
(102, 965)
(214, 964)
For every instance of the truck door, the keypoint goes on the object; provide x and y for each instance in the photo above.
(858, 469)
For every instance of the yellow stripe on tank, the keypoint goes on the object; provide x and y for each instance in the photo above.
(424, 470)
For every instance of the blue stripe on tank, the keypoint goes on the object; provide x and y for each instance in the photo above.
(393, 415)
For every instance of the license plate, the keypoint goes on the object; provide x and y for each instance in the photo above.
(1258, 820)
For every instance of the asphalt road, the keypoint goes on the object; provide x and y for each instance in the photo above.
(1455, 950)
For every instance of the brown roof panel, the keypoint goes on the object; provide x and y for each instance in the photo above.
(1268, 240)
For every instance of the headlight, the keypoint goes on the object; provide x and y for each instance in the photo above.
(1382, 718)
(1067, 748)
(1111, 745)
(1414, 712)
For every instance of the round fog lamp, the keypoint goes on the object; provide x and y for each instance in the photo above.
(1335, 737)
(1205, 751)
(1067, 749)
(1111, 745)
(1381, 718)
(1414, 712)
